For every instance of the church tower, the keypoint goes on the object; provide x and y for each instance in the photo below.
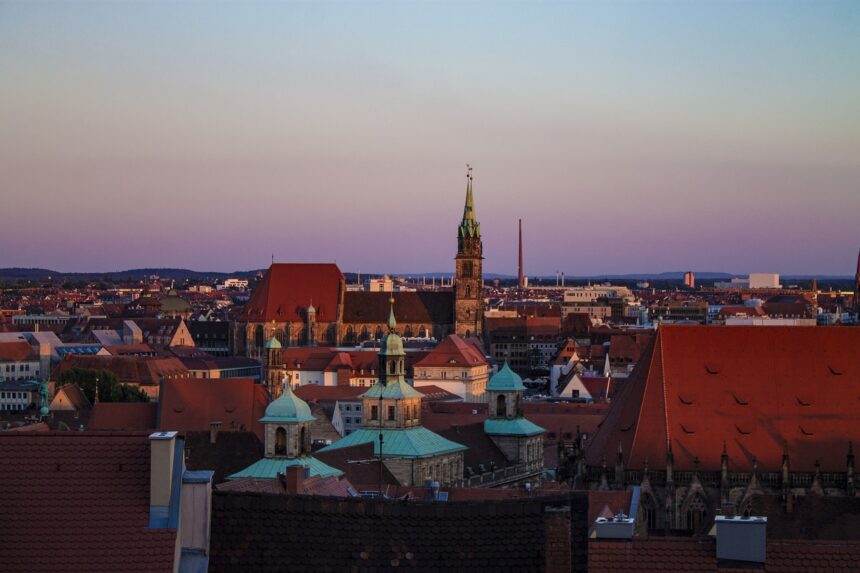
(468, 284)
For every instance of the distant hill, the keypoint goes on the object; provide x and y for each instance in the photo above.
(34, 274)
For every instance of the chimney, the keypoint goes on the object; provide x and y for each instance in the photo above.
(214, 429)
(741, 539)
(521, 282)
(295, 477)
(162, 460)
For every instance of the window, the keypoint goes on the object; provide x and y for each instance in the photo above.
(374, 412)
(280, 442)
(391, 413)
(501, 406)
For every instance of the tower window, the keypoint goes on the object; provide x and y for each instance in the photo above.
(391, 413)
(468, 269)
(501, 406)
(374, 412)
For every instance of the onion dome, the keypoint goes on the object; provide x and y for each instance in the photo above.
(505, 380)
(288, 408)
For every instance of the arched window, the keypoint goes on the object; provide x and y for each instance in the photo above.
(365, 335)
(468, 269)
(468, 291)
(378, 334)
(407, 332)
(350, 335)
(391, 367)
(650, 512)
(501, 406)
(303, 449)
(258, 336)
(280, 442)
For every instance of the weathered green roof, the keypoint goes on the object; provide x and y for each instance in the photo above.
(513, 427)
(505, 380)
(273, 344)
(269, 468)
(288, 408)
(393, 390)
(469, 226)
(416, 442)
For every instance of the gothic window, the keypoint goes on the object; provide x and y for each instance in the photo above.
(350, 335)
(468, 269)
(468, 292)
(423, 332)
(378, 334)
(280, 442)
(279, 336)
(407, 332)
(391, 367)
(501, 406)
(697, 511)
(650, 512)
(364, 334)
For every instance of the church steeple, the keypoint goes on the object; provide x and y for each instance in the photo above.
(469, 226)
(468, 311)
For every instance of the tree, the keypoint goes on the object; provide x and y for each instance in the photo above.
(109, 387)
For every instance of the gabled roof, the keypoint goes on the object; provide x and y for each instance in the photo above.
(74, 396)
(193, 404)
(453, 352)
(287, 289)
(65, 488)
(757, 389)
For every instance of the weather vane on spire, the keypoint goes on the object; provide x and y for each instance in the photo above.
(468, 171)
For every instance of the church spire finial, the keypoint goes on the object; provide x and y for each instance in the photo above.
(392, 323)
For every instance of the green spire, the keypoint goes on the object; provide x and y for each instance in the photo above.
(469, 227)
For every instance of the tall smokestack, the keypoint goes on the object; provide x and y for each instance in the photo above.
(521, 279)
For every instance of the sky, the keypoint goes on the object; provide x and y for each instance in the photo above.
(630, 137)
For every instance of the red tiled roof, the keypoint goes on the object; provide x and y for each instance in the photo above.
(409, 307)
(287, 289)
(329, 393)
(193, 404)
(144, 370)
(79, 502)
(699, 554)
(123, 416)
(756, 389)
(453, 351)
(17, 351)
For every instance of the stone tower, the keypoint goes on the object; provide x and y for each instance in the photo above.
(468, 285)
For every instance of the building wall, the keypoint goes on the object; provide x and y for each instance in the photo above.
(469, 383)
(24, 370)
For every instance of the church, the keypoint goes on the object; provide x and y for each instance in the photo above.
(307, 304)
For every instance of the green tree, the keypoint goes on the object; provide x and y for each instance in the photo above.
(109, 387)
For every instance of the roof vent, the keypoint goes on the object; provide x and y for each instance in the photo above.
(741, 539)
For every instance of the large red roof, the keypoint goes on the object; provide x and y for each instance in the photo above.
(455, 352)
(758, 389)
(17, 351)
(287, 289)
(193, 404)
(78, 502)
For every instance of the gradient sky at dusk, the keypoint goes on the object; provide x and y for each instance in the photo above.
(630, 137)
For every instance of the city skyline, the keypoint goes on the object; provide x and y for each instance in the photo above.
(213, 136)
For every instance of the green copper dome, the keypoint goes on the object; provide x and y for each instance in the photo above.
(273, 344)
(288, 408)
(505, 380)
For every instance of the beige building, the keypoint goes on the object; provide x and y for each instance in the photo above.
(457, 366)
